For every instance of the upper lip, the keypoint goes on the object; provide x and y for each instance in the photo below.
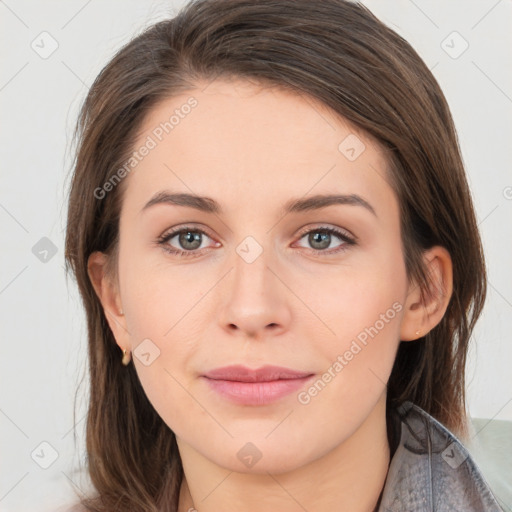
(264, 374)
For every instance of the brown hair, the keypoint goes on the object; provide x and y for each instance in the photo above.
(339, 53)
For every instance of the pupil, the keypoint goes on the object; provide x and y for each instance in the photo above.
(189, 238)
(321, 237)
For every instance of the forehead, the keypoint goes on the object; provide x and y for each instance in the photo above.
(239, 140)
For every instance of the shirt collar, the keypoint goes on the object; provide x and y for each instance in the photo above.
(430, 469)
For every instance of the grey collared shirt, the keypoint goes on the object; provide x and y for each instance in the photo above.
(431, 470)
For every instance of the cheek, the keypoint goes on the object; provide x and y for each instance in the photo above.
(367, 337)
(362, 302)
(364, 308)
(163, 313)
(359, 359)
(165, 337)
(158, 296)
(167, 389)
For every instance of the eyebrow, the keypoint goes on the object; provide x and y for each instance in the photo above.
(209, 205)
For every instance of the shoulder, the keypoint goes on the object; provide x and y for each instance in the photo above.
(432, 470)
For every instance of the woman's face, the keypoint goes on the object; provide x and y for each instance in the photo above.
(261, 282)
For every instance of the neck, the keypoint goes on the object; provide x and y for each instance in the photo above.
(350, 477)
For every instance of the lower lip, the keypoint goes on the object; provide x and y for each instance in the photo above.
(256, 393)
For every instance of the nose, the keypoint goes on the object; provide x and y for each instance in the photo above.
(254, 299)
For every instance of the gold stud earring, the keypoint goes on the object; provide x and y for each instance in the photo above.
(417, 332)
(126, 357)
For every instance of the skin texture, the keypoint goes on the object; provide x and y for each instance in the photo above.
(252, 149)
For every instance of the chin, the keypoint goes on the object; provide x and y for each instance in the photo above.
(262, 456)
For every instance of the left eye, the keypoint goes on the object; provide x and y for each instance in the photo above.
(321, 238)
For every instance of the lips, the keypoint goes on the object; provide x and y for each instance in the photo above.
(245, 386)
(267, 373)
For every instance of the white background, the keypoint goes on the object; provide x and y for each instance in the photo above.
(44, 346)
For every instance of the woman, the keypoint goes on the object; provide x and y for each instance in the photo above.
(271, 228)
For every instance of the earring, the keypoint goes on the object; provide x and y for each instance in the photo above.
(126, 357)
(417, 332)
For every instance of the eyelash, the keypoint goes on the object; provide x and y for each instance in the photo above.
(164, 239)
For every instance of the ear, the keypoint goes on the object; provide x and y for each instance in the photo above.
(107, 290)
(423, 313)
